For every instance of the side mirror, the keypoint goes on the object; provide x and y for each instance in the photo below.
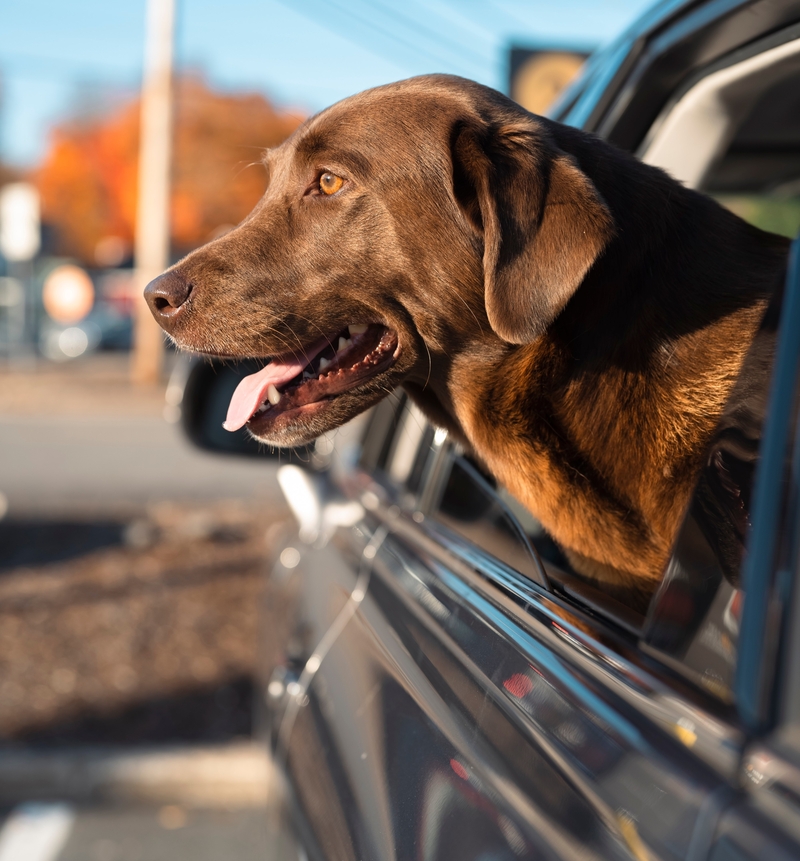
(198, 395)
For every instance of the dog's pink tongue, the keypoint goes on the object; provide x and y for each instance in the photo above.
(252, 391)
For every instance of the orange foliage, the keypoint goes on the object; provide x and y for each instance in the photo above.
(88, 179)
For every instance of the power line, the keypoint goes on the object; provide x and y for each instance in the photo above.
(345, 33)
(414, 25)
(517, 22)
(486, 6)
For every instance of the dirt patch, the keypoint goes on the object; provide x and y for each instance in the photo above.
(145, 631)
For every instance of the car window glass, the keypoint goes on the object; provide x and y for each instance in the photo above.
(410, 448)
(461, 496)
(399, 443)
(694, 619)
(470, 506)
(757, 175)
(790, 562)
(492, 518)
(380, 432)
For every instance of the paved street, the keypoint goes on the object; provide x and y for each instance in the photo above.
(79, 439)
(60, 832)
(166, 833)
(115, 465)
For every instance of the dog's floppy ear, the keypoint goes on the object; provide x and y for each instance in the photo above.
(543, 222)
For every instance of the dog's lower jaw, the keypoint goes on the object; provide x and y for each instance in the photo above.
(303, 425)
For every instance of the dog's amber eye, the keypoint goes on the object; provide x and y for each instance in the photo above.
(330, 183)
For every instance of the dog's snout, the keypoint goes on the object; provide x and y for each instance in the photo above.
(167, 295)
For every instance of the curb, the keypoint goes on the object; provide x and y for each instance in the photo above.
(228, 776)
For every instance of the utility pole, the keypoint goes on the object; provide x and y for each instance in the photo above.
(155, 155)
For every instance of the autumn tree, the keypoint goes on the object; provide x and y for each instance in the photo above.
(88, 179)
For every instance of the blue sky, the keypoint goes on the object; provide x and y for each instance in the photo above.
(57, 56)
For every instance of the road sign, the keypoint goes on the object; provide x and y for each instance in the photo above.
(68, 294)
(20, 230)
(537, 76)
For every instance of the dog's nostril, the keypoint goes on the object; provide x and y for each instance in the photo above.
(167, 294)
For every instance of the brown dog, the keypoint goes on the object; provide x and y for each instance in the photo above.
(574, 317)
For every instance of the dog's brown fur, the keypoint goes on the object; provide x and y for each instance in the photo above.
(574, 317)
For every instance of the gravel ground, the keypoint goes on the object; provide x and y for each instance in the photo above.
(153, 636)
(133, 628)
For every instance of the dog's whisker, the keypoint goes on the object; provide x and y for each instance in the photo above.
(430, 366)
(324, 334)
(297, 338)
(474, 315)
(246, 167)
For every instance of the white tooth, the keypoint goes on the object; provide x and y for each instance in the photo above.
(357, 329)
(343, 344)
(273, 395)
(323, 363)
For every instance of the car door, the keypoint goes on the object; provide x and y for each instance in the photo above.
(466, 711)
(477, 704)
(479, 700)
(550, 715)
(764, 820)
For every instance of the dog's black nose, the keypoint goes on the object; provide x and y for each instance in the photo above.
(166, 296)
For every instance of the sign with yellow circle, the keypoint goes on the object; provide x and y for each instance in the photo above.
(68, 294)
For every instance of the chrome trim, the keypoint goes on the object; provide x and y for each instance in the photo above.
(299, 697)
(664, 698)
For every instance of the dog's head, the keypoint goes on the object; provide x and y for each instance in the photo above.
(402, 230)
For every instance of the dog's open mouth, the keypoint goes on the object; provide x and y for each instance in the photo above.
(327, 368)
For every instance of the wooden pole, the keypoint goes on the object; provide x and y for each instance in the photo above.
(155, 153)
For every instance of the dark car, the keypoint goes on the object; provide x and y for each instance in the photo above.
(448, 688)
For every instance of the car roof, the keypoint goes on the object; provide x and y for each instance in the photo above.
(624, 86)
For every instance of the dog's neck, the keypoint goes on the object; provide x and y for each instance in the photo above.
(640, 362)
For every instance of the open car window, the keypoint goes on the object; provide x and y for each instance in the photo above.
(693, 621)
(695, 617)
(469, 504)
(733, 133)
(752, 163)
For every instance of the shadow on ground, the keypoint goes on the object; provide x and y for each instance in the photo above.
(150, 631)
(39, 542)
(206, 715)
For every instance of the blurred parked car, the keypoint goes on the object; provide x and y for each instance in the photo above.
(82, 313)
(67, 316)
(449, 689)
